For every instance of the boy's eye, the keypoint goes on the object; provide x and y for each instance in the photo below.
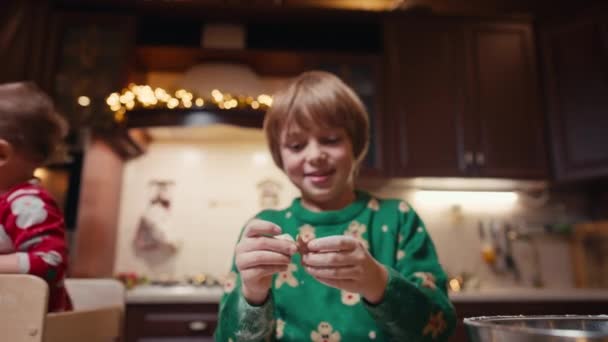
(295, 146)
(331, 140)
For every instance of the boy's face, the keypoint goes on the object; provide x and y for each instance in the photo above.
(15, 167)
(319, 162)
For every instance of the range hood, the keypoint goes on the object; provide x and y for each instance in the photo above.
(232, 78)
(210, 92)
(235, 79)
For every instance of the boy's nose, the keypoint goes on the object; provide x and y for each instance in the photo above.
(316, 153)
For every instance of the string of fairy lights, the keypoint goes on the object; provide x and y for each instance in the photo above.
(145, 97)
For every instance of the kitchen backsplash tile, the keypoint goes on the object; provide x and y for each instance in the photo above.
(219, 185)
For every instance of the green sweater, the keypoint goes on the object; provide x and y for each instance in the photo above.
(415, 306)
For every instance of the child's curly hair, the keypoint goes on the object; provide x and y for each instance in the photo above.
(29, 122)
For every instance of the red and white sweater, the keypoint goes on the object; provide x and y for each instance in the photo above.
(32, 226)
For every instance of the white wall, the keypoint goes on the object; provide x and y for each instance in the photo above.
(453, 226)
(216, 192)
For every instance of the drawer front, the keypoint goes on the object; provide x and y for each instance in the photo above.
(178, 324)
(176, 339)
(171, 322)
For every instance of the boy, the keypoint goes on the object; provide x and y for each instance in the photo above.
(366, 268)
(32, 233)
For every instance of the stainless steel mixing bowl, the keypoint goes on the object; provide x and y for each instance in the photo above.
(538, 328)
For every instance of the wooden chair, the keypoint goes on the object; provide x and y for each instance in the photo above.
(97, 316)
(96, 325)
(99, 306)
(23, 305)
(95, 293)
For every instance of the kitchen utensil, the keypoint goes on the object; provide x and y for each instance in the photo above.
(538, 328)
(590, 254)
(488, 250)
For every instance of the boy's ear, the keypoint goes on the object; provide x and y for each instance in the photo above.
(6, 151)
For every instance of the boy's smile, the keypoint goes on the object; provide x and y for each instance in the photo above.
(320, 178)
(321, 164)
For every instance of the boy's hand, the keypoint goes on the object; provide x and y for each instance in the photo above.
(258, 256)
(343, 262)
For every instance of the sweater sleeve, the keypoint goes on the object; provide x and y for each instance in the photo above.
(35, 225)
(239, 320)
(415, 306)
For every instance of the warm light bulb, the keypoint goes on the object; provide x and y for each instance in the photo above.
(255, 105)
(217, 95)
(265, 99)
(84, 101)
(172, 103)
(231, 104)
(41, 173)
(129, 95)
(199, 102)
(455, 285)
(119, 116)
(113, 99)
(161, 94)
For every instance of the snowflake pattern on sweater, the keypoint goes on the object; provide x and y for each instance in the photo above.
(32, 226)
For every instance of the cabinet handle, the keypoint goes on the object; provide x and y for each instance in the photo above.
(198, 326)
(480, 158)
(468, 158)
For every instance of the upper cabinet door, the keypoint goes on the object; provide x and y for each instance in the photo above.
(426, 134)
(576, 79)
(503, 97)
(463, 99)
(25, 41)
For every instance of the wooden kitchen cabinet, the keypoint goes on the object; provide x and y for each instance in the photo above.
(426, 131)
(463, 99)
(197, 322)
(575, 59)
(171, 322)
(504, 99)
(25, 43)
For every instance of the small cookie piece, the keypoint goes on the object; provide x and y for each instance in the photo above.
(286, 237)
(302, 246)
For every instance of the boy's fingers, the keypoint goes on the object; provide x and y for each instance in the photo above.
(267, 244)
(327, 259)
(257, 227)
(348, 272)
(334, 243)
(261, 258)
(262, 271)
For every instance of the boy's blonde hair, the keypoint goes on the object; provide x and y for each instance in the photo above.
(317, 99)
(28, 120)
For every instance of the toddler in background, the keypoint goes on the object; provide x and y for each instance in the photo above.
(32, 230)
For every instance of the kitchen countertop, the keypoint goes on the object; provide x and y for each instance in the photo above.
(529, 294)
(151, 294)
(154, 294)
